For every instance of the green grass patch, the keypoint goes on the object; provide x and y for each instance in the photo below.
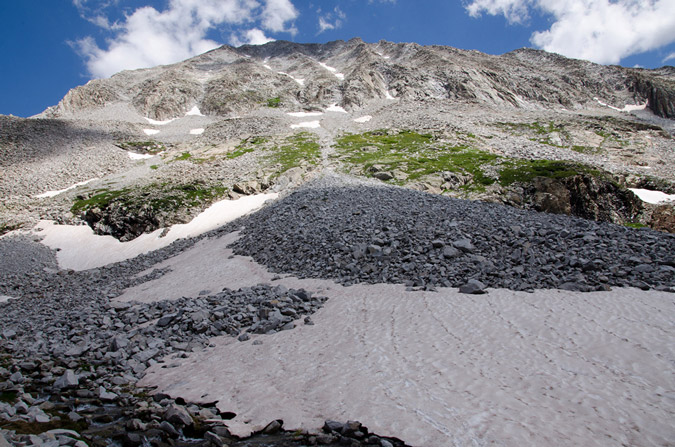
(298, 149)
(527, 170)
(247, 145)
(416, 155)
(154, 167)
(166, 197)
(100, 200)
(183, 156)
(635, 225)
(274, 102)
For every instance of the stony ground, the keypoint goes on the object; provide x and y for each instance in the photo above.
(383, 234)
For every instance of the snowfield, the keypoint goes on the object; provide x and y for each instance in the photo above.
(306, 125)
(79, 248)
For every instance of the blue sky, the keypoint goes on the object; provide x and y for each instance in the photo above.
(48, 47)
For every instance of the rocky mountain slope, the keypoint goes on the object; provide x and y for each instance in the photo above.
(371, 276)
(528, 128)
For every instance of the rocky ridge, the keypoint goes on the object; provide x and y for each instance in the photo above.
(231, 80)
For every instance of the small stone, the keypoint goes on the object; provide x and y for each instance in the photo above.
(474, 287)
(244, 337)
(21, 407)
(105, 395)
(437, 243)
(169, 429)
(385, 443)
(331, 426)
(257, 342)
(8, 333)
(73, 416)
(464, 245)
(214, 439)
(17, 377)
(67, 380)
(450, 252)
(177, 414)
(273, 427)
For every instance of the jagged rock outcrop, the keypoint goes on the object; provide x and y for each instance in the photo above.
(581, 195)
(659, 88)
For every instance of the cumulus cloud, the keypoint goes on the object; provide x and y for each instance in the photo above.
(331, 20)
(276, 13)
(148, 37)
(602, 31)
(252, 36)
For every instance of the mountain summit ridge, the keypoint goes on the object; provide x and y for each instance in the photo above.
(355, 73)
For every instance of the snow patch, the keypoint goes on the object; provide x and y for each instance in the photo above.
(340, 76)
(627, 108)
(198, 131)
(363, 119)
(306, 125)
(136, 156)
(654, 197)
(5, 298)
(388, 95)
(304, 114)
(151, 131)
(299, 81)
(336, 108)
(159, 123)
(194, 112)
(267, 66)
(47, 194)
(81, 249)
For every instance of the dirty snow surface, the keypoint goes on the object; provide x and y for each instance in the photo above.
(432, 366)
(655, 197)
(436, 368)
(79, 248)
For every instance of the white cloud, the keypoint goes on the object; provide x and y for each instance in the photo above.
(602, 31)
(276, 13)
(331, 20)
(148, 37)
(670, 57)
(252, 37)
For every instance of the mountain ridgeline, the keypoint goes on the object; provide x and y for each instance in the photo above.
(229, 81)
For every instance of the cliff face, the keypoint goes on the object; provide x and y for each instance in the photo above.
(352, 74)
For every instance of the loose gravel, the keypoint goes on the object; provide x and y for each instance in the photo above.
(392, 235)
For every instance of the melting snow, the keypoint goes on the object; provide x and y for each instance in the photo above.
(151, 131)
(306, 124)
(5, 298)
(363, 119)
(159, 123)
(336, 108)
(135, 156)
(194, 112)
(332, 70)
(81, 249)
(388, 95)
(303, 114)
(299, 81)
(655, 197)
(196, 131)
(56, 193)
(626, 108)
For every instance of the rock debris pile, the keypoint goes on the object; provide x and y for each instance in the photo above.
(69, 364)
(394, 235)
